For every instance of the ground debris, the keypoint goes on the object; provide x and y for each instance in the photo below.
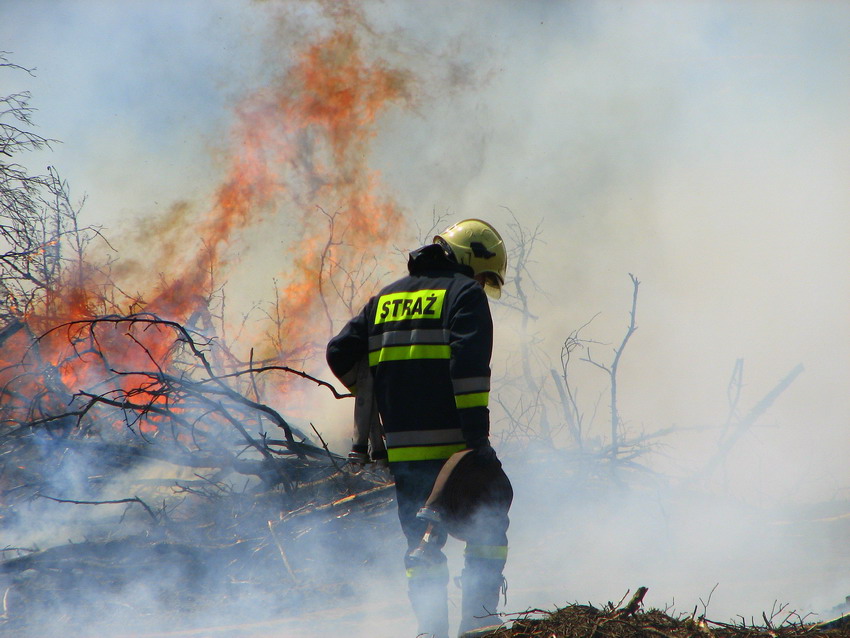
(587, 621)
(209, 549)
(149, 475)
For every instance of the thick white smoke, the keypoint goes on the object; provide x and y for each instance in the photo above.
(701, 146)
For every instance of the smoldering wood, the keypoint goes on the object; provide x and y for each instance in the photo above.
(212, 546)
(212, 549)
(157, 398)
(195, 497)
(634, 603)
(181, 389)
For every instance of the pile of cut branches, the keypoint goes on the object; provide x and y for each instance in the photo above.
(209, 553)
(140, 466)
(132, 387)
(633, 621)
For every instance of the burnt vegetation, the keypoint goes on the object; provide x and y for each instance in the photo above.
(204, 488)
(192, 490)
(632, 620)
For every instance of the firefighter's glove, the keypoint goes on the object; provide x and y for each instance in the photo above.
(358, 458)
(433, 539)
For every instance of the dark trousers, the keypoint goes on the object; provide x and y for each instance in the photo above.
(485, 531)
(427, 581)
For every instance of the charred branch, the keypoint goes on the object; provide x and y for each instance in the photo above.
(134, 499)
(145, 390)
(84, 332)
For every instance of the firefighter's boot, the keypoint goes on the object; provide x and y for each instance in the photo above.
(482, 582)
(429, 599)
(427, 584)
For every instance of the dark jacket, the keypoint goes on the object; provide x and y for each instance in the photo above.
(428, 337)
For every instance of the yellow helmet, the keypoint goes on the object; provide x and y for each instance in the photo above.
(477, 244)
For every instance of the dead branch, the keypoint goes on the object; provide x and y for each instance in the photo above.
(197, 348)
(134, 499)
(634, 604)
(324, 258)
(618, 353)
(612, 369)
(298, 373)
(524, 398)
(327, 451)
(726, 445)
(282, 553)
(186, 337)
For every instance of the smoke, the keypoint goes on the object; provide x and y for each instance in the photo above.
(693, 147)
(702, 147)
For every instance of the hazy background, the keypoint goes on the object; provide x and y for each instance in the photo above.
(702, 146)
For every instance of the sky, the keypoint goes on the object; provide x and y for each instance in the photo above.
(702, 146)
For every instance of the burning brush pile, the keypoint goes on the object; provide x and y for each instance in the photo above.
(142, 462)
(198, 485)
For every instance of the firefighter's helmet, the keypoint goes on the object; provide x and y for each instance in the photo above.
(477, 244)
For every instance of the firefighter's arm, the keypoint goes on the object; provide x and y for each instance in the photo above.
(471, 328)
(348, 348)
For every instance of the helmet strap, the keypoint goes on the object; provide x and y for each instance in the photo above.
(446, 249)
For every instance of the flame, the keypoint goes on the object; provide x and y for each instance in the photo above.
(302, 144)
(301, 149)
(248, 189)
(338, 97)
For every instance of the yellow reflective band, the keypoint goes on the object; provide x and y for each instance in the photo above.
(406, 353)
(440, 570)
(423, 453)
(474, 400)
(492, 552)
(421, 304)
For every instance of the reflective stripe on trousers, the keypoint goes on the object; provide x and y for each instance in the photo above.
(487, 552)
(436, 571)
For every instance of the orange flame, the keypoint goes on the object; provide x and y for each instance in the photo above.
(337, 98)
(303, 144)
(302, 149)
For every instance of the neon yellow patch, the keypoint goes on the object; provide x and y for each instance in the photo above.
(398, 306)
(423, 453)
(406, 353)
(474, 400)
(429, 572)
(491, 552)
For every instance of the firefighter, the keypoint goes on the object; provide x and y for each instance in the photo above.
(428, 338)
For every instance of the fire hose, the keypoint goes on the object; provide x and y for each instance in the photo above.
(463, 486)
(368, 434)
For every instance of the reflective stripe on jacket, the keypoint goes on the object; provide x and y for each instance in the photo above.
(428, 337)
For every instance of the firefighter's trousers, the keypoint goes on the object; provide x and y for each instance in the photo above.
(484, 558)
